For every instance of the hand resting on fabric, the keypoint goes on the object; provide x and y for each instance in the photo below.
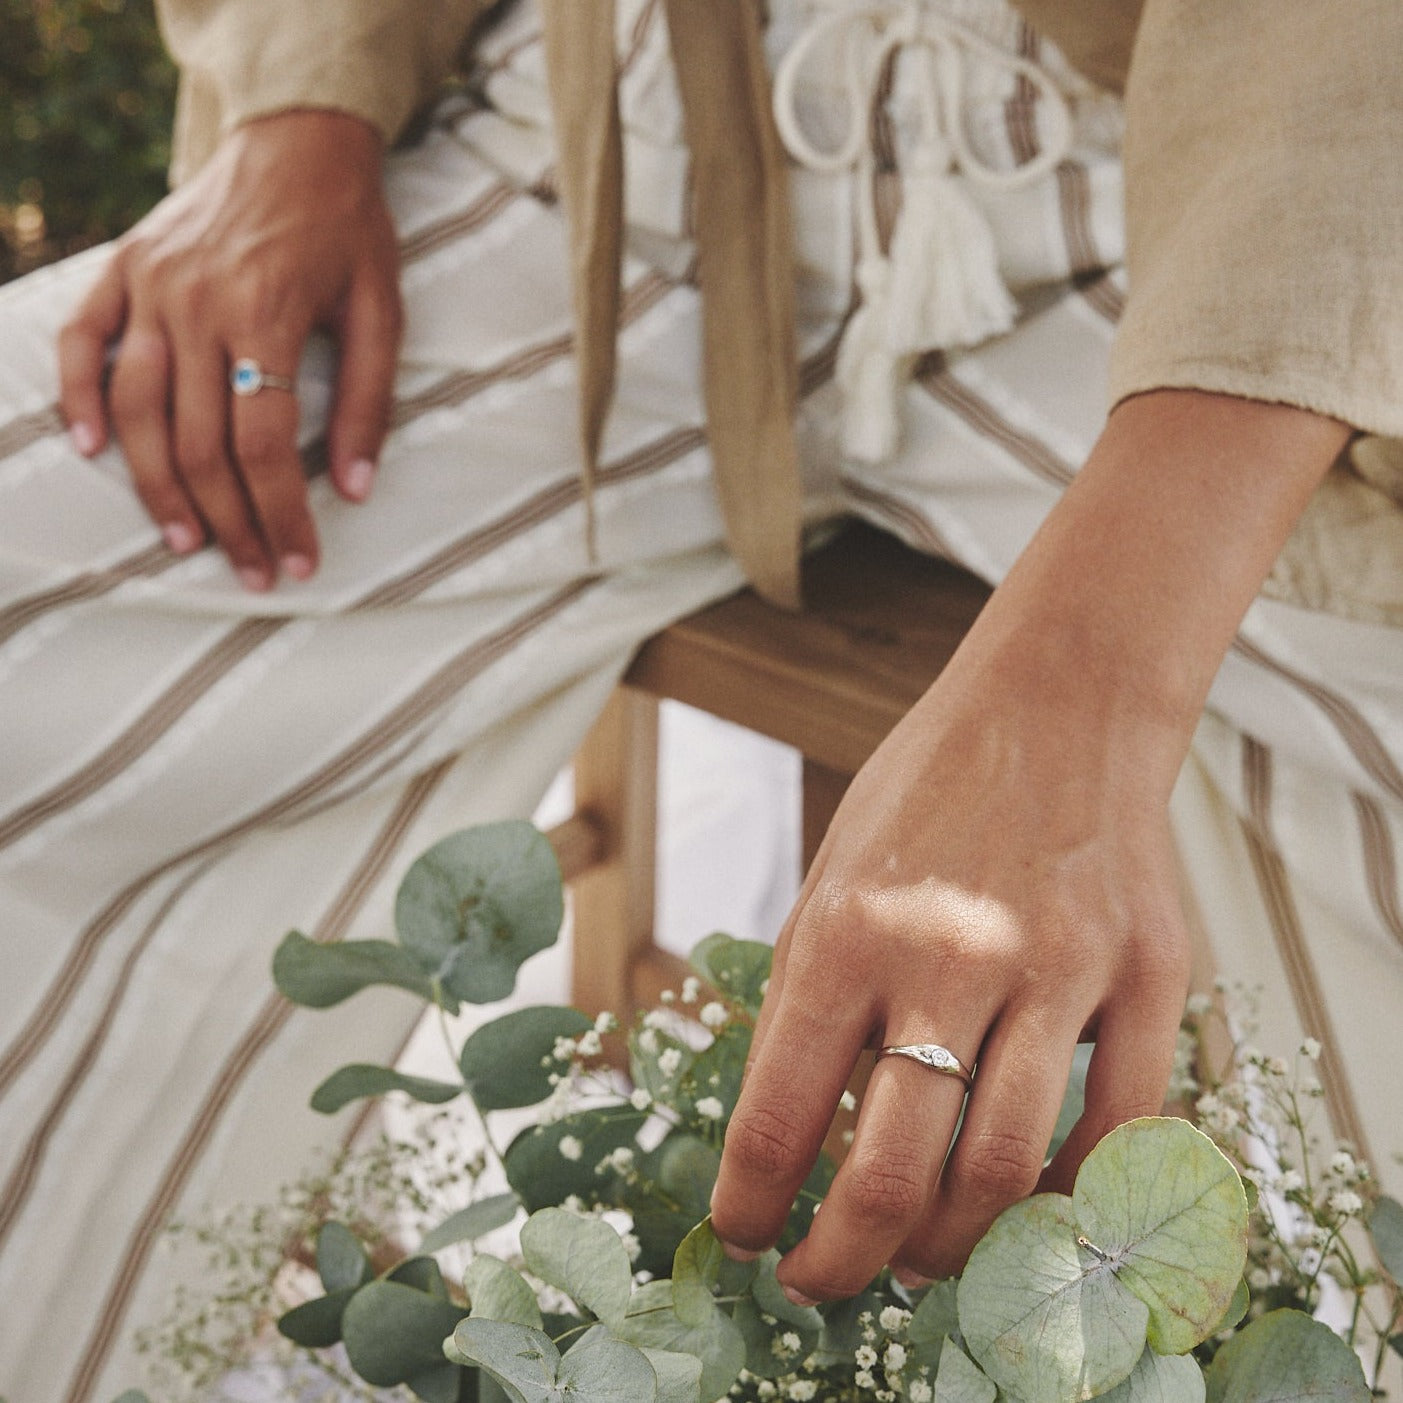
(285, 230)
(999, 878)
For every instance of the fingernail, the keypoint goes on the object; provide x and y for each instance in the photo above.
(911, 1280)
(358, 478)
(181, 537)
(300, 567)
(796, 1297)
(739, 1254)
(251, 577)
(84, 438)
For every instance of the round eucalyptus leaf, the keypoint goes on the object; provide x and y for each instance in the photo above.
(960, 1380)
(770, 1297)
(1044, 1317)
(522, 1360)
(1237, 1308)
(1160, 1378)
(444, 1382)
(679, 1375)
(761, 1357)
(316, 1324)
(1167, 1209)
(738, 969)
(1286, 1357)
(318, 976)
(842, 1330)
(696, 1269)
(479, 903)
(543, 1176)
(584, 1257)
(497, 1291)
(361, 1079)
(508, 1062)
(934, 1320)
(671, 1194)
(393, 1332)
(423, 1274)
(651, 1322)
(341, 1260)
(470, 1223)
(1386, 1228)
(602, 1369)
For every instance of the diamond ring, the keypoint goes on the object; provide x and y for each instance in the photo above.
(932, 1055)
(248, 377)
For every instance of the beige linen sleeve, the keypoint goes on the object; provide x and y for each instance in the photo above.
(239, 59)
(1265, 205)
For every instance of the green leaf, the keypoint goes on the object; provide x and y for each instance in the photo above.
(770, 1297)
(717, 1070)
(543, 1177)
(423, 1274)
(502, 1062)
(359, 1079)
(1286, 1357)
(393, 1332)
(1046, 1319)
(760, 1336)
(316, 1324)
(671, 1194)
(132, 1395)
(497, 1291)
(599, 1369)
(318, 976)
(1160, 1378)
(443, 1383)
(842, 1332)
(602, 1369)
(470, 1223)
(645, 1072)
(478, 904)
(584, 1257)
(341, 1260)
(738, 969)
(652, 1322)
(679, 1375)
(934, 1320)
(1237, 1308)
(696, 1269)
(1167, 1208)
(1386, 1228)
(960, 1380)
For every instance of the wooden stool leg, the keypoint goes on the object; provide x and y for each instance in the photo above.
(616, 788)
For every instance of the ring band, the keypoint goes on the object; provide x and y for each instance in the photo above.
(934, 1056)
(247, 377)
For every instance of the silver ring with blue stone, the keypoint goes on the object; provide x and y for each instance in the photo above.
(248, 377)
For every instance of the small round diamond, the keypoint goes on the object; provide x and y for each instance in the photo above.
(247, 378)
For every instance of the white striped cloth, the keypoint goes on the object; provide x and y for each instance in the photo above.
(187, 770)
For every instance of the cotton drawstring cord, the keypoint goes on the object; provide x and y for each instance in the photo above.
(939, 286)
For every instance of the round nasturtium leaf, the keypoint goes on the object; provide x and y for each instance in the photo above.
(1286, 1357)
(508, 1062)
(1160, 1378)
(1043, 1316)
(478, 904)
(1167, 1209)
(584, 1257)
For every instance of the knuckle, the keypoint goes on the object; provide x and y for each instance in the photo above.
(887, 1190)
(764, 1141)
(201, 464)
(999, 1165)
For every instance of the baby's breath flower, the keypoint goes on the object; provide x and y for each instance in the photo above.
(1309, 1262)
(713, 1015)
(564, 1049)
(791, 1341)
(639, 1098)
(766, 1389)
(589, 1044)
(570, 1148)
(1311, 1048)
(710, 1108)
(920, 1391)
(621, 1159)
(1346, 1203)
(1277, 1066)
(894, 1318)
(648, 1042)
(1291, 1181)
(866, 1356)
(1342, 1163)
(668, 997)
(655, 1018)
(1199, 1004)
(670, 1061)
(864, 1380)
(632, 1246)
(691, 989)
(801, 1390)
(895, 1356)
(574, 1204)
(848, 1101)
(606, 1023)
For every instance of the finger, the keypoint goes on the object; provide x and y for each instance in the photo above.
(370, 338)
(784, 1110)
(264, 432)
(880, 1193)
(999, 1152)
(83, 344)
(1128, 1077)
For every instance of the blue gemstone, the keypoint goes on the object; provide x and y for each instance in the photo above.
(246, 379)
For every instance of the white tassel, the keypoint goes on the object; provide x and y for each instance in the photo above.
(945, 288)
(870, 374)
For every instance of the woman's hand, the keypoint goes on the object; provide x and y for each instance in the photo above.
(284, 230)
(1000, 878)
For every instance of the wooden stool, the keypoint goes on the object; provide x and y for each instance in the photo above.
(880, 622)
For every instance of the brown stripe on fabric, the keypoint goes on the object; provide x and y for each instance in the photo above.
(28, 429)
(935, 377)
(272, 1017)
(1074, 205)
(89, 584)
(442, 232)
(904, 519)
(1363, 742)
(1101, 294)
(1274, 884)
(1380, 863)
(146, 730)
(1020, 110)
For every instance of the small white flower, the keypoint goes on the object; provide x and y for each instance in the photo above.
(654, 1018)
(920, 1391)
(632, 1246)
(1199, 1004)
(589, 1045)
(691, 989)
(895, 1356)
(710, 1108)
(639, 1098)
(894, 1318)
(1291, 1182)
(765, 1389)
(866, 1356)
(574, 1204)
(570, 1148)
(801, 1390)
(1311, 1048)
(621, 1159)
(1259, 1278)
(1309, 1262)
(1346, 1203)
(670, 1061)
(1277, 1066)
(668, 997)
(864, 1380)
(713, 1015)
(564, 1049)
(848, 1101)
(648, 1042)
(606, 1023)
(1342, 1163)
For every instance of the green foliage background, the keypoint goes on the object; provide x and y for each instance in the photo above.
(86, 98)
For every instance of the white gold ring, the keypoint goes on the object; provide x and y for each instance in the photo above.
(248, 377)
(934, 1056)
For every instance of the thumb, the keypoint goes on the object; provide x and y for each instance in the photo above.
(370, 329)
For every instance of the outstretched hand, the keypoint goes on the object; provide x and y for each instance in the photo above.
(285, 230)
(1000, 878)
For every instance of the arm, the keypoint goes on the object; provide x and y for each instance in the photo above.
(280, 228)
